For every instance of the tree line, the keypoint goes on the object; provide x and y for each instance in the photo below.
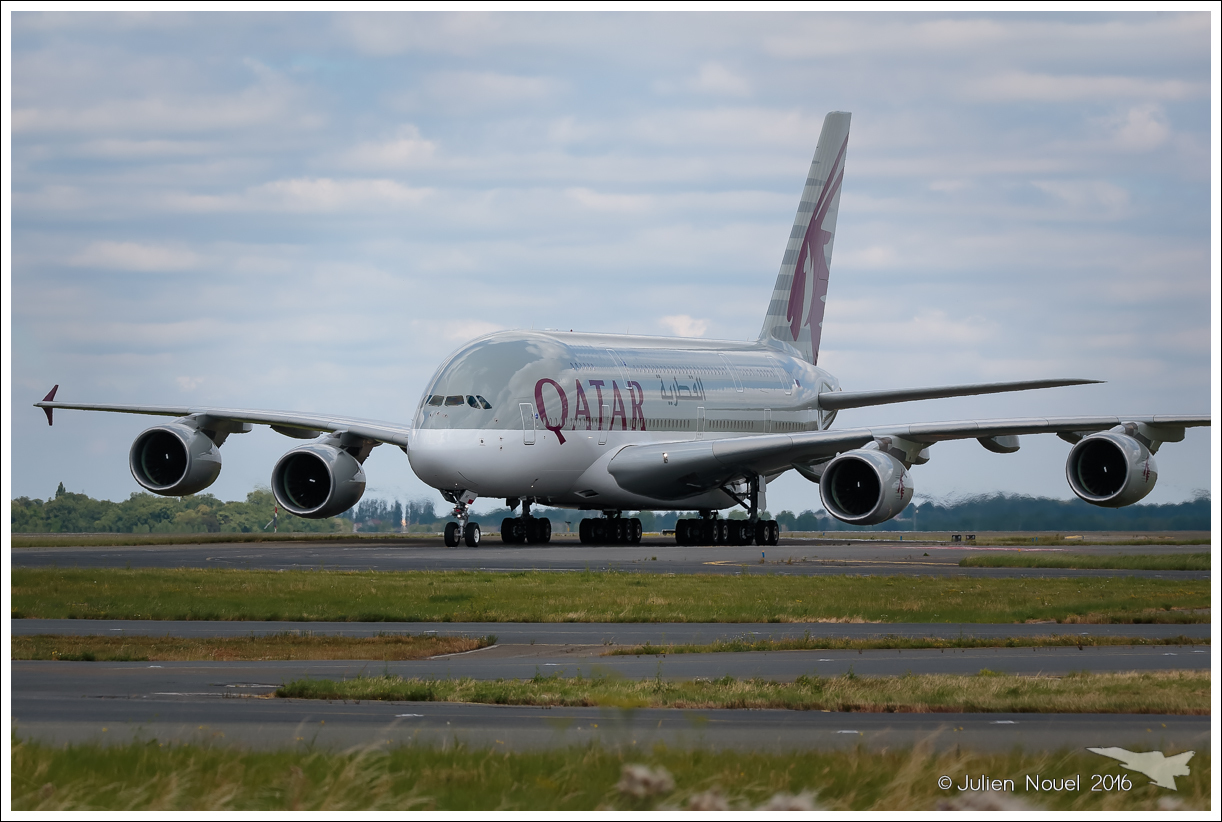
(143, 513)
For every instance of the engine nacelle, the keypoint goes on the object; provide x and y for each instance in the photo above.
(174, 460)
(1110, 469)
(317, 481)
(865, 487)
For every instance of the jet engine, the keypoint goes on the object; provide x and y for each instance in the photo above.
(174, 460)
(865, 487)
(1110, 469)
(318, 480)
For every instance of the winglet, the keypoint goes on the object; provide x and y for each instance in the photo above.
(50, 398)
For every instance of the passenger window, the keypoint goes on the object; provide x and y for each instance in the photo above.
(454, 399)
(436, 399)
(487, 406)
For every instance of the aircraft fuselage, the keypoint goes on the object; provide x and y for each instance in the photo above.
(540, 414)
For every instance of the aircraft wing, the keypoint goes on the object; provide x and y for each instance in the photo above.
(683, 469)
(289, 423)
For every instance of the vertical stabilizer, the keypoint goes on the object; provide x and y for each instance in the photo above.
(795, 315)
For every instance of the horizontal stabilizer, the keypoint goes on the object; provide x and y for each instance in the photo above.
(839, 400)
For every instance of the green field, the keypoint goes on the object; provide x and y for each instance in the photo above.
(1160, 692)
(463, 596)
(153, 777)
(1125, 562)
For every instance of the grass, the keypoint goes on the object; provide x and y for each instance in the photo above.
(891, 643)
(1158, 692)
(150, 776)
(531, 596)
(109, 540)
(286, 645)
(1130, 562)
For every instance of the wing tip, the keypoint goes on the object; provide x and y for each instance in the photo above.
(50, 398)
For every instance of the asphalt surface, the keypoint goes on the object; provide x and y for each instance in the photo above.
(793, 556)
(61, 702)
(598, 633)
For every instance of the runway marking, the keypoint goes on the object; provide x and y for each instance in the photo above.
(1003, 722)
(400, 716)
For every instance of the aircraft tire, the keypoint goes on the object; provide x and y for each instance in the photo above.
(762, 532)
(634, 531)
(583, 531)
(774, 532)
(680, 532)
(598, 530)
(451, 535)
(620, 530)
(544, 530)
(721, 532)
(471, 534)
(734, 533)
(507, 528)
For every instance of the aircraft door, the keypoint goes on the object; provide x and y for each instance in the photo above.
(604, 415)
(700, 423)
(528, 423)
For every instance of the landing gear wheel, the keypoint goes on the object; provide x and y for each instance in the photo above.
(774, 532)
(471, 534)
(543, 531)
(634, 531)
(583, 530)
(598, 530)
(451, 535)
(734, 532)
(507, 529)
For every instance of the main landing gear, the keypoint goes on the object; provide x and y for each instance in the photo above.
(464, 530)
(525, 529)
(710, 530)
(610, 528)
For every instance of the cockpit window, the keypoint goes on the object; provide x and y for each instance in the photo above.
(471, 401)
(436, 399)
(454, 399)
(487, 406)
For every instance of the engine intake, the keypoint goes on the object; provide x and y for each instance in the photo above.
(865, 487)
(1110, 469)
(174, 460)
(317, 481)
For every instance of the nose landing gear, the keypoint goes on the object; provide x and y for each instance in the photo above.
(464, 530)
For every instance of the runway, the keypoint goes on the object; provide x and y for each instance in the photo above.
(226, 702)
(600, 633)
(792, 557)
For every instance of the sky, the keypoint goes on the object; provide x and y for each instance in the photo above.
(309, 211)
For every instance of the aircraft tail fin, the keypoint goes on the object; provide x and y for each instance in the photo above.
(795, 314)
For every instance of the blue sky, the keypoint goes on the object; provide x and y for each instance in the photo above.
(309, 211)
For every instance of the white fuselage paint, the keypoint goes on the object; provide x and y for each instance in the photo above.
(561, 405)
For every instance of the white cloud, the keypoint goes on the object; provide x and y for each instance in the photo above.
(488, 89)
(714, 78)
(407, 149)
(682, 325)
(188, 383)
(1097, 198)
(309, 194)
(1143, 128)
(1019, 85)
(598, 201)
(134, 257)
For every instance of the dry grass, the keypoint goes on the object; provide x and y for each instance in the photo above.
(530, 596)
(155, 778)
(1160, 692)
(903, 643)
(287, 645)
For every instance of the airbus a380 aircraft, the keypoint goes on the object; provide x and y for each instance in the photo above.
(612, 423)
